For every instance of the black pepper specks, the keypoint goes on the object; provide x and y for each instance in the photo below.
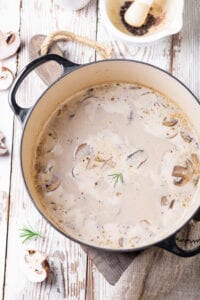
(136, 30)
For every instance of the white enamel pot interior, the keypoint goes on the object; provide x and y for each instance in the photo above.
(76, 78)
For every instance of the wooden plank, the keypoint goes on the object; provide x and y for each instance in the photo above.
(68, 260)
(186, 49)
(6, 126)
(82, 22)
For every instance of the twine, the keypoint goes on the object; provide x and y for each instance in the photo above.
(105, 52)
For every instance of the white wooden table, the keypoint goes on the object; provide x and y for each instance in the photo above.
(74, 276)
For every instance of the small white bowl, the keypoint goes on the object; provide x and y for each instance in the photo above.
(169, 14)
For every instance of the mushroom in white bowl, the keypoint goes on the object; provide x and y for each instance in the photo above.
(165, 18)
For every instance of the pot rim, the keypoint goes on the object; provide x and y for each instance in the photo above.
(30, 110)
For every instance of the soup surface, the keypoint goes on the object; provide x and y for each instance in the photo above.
(117, 166)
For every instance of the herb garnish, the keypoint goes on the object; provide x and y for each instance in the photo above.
(28, 233)
(117, 177)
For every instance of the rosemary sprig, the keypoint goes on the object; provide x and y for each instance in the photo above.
(117, 177)
(28, 233)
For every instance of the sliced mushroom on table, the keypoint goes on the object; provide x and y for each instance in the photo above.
(9, 44)
(3, 148)
(35, 265)
(6, 78)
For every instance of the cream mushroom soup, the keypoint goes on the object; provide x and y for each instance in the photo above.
(117, 165)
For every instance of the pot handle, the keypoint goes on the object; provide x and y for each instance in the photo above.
(21, 112)
(171, 246)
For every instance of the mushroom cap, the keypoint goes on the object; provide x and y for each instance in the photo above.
(10, 45)
(35, 265)
(6, 78)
